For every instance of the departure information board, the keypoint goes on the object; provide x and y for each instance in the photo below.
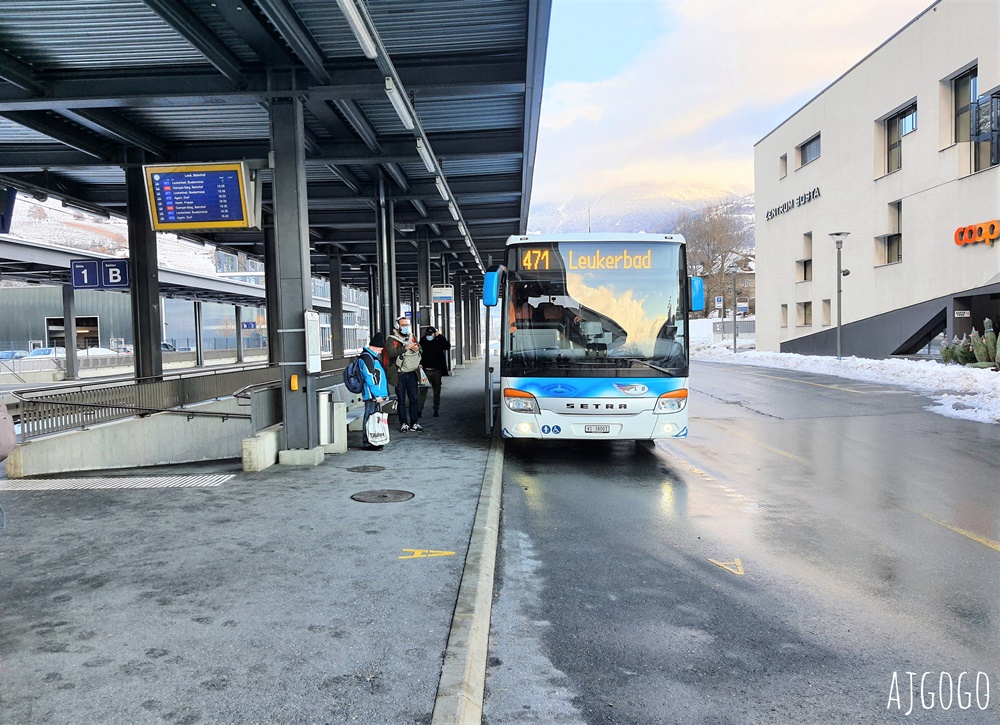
(198, 196)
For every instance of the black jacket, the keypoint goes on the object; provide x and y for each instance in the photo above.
(433, 352)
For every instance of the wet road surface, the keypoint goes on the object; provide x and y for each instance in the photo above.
(812, 542)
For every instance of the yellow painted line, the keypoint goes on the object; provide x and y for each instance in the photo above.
(806, 382)
(734, 566)
(989, 543)
(786, 454)
(425, 553)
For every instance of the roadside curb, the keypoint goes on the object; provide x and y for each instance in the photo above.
(463, 675)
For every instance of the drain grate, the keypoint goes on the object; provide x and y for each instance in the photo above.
(382, 495)
(366, 469)
(65, 484)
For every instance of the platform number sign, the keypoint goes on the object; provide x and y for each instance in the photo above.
(99, 273)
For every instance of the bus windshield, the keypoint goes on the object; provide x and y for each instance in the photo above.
(595, 309)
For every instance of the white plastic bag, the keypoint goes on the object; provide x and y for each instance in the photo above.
(377, 428)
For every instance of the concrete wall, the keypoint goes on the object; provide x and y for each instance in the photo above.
(935, 185)
(160, 439)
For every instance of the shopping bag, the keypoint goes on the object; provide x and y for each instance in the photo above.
(377, 428)
(422, 378)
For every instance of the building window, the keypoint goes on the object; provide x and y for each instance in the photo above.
(826, 312)
(784, 315)
(804, 270)
(809, 151)
(896, 127)
(804, 314)
(783, 166)
(986, 132)
(965, 91)
(890, 250)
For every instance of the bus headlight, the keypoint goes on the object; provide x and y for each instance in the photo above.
(519, 401)
(672, 402)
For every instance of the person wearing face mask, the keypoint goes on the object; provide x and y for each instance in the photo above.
(433, 350)
(403, 354)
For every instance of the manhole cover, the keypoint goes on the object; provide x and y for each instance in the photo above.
(383, 495)
(366, 469)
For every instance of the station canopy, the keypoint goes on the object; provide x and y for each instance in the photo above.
(83, 83)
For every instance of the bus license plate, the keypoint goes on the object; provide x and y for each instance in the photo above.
(597, 429)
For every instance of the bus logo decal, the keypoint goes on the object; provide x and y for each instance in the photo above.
(632, 389)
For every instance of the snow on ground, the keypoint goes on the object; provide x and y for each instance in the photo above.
(957, 391)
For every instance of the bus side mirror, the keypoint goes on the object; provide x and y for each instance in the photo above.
(696, 294)
(491, 285)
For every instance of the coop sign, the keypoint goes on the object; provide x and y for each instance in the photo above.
(974, 233)
(792, 203)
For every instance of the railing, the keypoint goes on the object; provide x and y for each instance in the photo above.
(45, 410)
(264, 401)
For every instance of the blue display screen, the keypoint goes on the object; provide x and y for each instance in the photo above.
(197, 197)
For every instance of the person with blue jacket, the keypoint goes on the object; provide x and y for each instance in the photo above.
(375, 389)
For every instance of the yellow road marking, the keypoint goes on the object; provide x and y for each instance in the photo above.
(425, 553)
(734, 566)
(780, 452)
(805, 382)
(990, 543)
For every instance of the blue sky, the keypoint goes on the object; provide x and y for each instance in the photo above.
(674, 93)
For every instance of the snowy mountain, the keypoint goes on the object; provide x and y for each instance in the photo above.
(635, 209)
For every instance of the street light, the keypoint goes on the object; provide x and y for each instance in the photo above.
(734, 270)
(838, 238)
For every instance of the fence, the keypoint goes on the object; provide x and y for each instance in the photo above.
(724, 329)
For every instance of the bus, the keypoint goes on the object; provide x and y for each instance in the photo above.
(594, 337)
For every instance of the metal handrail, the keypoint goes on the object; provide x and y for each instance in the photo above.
(45, 411)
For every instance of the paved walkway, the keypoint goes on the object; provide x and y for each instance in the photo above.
(269, 597)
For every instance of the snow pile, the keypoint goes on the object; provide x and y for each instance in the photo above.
(958, 392)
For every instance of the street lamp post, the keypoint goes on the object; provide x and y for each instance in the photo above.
(734, 270)
(838, 238)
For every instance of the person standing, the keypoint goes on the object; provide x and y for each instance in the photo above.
(375, 389)
(403, 355)
(433, 349)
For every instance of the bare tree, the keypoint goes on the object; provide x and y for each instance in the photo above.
(716, 239)
(226, 328)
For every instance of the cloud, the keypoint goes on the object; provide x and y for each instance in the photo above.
(689, 108)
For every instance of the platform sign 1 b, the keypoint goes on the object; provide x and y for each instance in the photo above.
(99, 273)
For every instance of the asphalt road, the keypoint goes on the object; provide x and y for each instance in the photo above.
(813, 542)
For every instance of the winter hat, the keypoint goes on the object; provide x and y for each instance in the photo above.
(378, 340)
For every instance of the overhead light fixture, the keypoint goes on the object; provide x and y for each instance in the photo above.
(425, 155)
(461, 229)
(399, 104)
(453, 211)
(350, 11)
(468, 242)
(441, 190)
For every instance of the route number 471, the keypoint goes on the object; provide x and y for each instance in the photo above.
(535, 259)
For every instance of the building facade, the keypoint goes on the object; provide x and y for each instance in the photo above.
(903, 153)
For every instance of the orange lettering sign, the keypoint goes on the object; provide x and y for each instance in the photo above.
(986, 232)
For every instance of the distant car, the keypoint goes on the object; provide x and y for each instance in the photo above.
(98, 352)
(47, 352)
(167, 347)
(13, 354)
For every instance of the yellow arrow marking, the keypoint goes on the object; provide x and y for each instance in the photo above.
(425, 553)
(733, 566)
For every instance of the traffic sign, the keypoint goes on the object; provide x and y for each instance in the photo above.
(248, 325)
(718, 303)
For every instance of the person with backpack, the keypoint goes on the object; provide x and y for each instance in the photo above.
(375, 388)
(402, 358)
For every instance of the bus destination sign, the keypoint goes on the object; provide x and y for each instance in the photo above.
(533, 259)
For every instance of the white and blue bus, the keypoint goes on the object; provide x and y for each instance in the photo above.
(594, 336)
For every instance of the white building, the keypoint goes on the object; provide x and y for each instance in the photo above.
(903, 152)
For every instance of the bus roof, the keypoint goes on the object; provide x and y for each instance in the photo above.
(594, 237)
